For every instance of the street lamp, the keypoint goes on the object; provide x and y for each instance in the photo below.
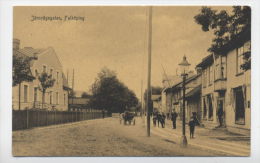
(184, 65)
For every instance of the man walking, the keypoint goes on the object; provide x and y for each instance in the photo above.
(174, 116)
(220, 116)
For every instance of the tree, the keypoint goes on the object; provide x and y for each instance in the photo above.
(21, 72)
(230, 30)
(46, 81)
(110, 94)
(85, 95)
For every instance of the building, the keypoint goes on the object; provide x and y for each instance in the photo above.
(192, 95)
(157, 104)
(43, 60)
(78, 104)
(166, 95)
(226, 86)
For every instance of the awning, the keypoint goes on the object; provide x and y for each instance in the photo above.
(194, 92)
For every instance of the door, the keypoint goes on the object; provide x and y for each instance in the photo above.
(221, 106)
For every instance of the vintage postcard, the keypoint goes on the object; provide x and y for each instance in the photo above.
(131, 81)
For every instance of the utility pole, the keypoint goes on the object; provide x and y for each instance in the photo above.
(148, 100)
(141, 98)
(72, 87)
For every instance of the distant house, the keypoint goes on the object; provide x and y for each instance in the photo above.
(157, 106)
(192, 95)
(78, 104)
(172, 93)
(226, 86)
(44, 60)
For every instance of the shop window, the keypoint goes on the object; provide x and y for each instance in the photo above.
(239, 106)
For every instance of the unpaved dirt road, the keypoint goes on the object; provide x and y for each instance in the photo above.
(101, 137)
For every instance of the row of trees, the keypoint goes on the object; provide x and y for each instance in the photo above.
(230, 30)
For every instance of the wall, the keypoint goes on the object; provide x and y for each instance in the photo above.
(49, 59)
(233, 81)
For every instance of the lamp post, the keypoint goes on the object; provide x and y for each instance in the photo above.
(184, 65)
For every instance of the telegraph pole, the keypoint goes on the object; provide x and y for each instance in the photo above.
(148, 100)
(72, 87)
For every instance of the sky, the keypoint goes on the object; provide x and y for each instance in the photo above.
(116, 38)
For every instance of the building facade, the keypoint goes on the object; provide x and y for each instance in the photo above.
(226, 86)
(44, 60)
(192, 92)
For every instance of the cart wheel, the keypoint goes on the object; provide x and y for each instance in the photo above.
(134, 122)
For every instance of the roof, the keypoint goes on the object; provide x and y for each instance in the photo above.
(189, 79)
(31, 52)
(193, 92)
(206, 61)
(78, 101)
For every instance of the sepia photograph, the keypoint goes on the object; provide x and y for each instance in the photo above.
(131, 81)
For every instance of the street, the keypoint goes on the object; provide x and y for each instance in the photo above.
(106, 137)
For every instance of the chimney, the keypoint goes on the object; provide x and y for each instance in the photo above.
(16, 44)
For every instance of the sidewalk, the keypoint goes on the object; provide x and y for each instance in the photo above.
(214, 139)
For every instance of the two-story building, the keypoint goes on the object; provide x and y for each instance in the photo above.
(192, 93)
(226, 86)
(43, 60)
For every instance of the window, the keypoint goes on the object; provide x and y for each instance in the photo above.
(57, 78)
(239, 106)
(35, 94)
(210, 75)
(51, 72)
(57, 98)
(25, 93)
(240, 59)
(204, 78)
(64, 99)
(210, 107)
(204, 108)
(44, 68)
(220, 68)
(50, 97)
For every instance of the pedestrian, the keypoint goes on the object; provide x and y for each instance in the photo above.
(154, 119)
(174, 116)
(192, 125)
(194, 116)
(220, 116)
(163, 120)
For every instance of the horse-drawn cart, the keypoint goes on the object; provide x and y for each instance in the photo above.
(127, 118)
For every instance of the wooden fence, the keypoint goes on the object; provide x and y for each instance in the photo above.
(25, 119)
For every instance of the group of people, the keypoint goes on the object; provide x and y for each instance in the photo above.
(160, 119)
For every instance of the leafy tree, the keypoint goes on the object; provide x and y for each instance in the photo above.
(46, 81)
(110, 94)
(21, 72)
(85, 95)
(230, 30)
